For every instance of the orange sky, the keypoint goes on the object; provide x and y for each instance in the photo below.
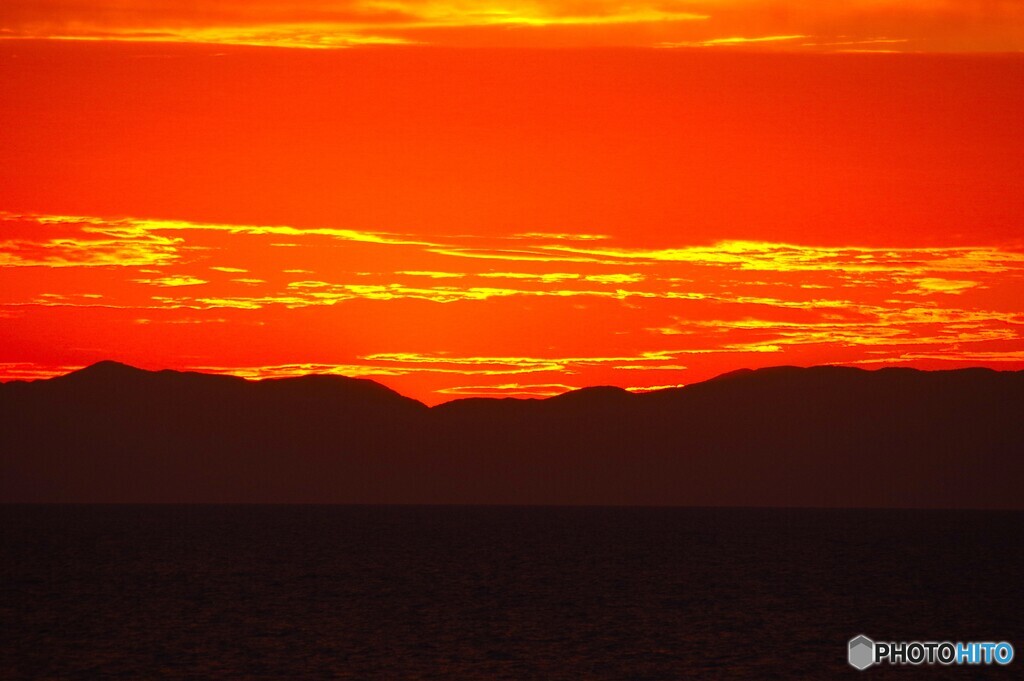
(516, 199)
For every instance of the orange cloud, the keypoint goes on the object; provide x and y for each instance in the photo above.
(28, 371)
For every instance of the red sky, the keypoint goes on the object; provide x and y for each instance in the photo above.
(517, 199)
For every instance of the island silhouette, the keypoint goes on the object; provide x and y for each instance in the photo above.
(825, 436)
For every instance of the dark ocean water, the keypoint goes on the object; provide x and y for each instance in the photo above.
(321, 592)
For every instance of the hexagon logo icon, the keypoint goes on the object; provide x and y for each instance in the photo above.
(861, 652)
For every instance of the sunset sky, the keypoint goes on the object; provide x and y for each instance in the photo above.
(514, 199)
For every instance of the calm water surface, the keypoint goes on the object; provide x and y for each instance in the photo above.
(334, 592)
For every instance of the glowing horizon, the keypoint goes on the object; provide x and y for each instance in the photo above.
(484, 199)
(755, 303)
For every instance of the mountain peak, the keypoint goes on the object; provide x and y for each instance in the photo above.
(108, 367)
(592, 393)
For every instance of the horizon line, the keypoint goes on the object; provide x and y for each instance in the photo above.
(624, 391)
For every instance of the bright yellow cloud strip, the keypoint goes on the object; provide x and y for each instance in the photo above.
(327, 25)
(869, 41)
(653, 388)
(308, 36)
(614, 278)
(559, 236)
(874, 326)
(260, 230)
(171, 282)
(432, 275)
(931, 285)
(782, 257)
(136, 242)
(216, 320)
(930, 25)
(550, 277)
(971, 356)
(130, 226)
(406, 363)
(511, 365)
(147, 242)
(301, 369)
(511, 255)
(734, 41)
(524, 13)
(324, 293)
(545, 276)
(529, 390)
(92, 242)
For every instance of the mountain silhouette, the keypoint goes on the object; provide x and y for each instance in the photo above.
(783, 436)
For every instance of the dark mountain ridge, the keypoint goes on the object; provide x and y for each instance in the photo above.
(783, 436)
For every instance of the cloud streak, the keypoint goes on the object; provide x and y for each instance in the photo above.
(317, 24)
(914, 25)
(546, 306)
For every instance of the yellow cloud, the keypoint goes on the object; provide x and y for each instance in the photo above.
(545, 277)
(129, 227)
(880, 299)
(173, 281)
(733, 41)
(614, 278)
(972, 356)
(939, 25)
(304, 36)
(90, 246)
(874, 326)
(783, 257)
(150, 242)
(653, 388)
(509, 365)
(324, 293)
(560, 236)
(933, 285)
(432, 275)
(516, 255)
(529, 390)
(323, 25)
(300, 369)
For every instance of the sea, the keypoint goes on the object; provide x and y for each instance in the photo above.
(416, 592)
